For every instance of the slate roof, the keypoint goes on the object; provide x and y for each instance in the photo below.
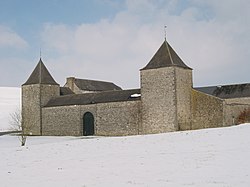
(165, 57)
(66, 91)
(94, 85)
(40, 75)
(208, 90)
(227, 91)
(93, 98)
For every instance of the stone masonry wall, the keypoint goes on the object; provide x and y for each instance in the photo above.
(47, 92)
(110, 119)
(33, 98)
(233, 108)
(31, 109)
(62, 121)
(158, 99)
(207, 111)
(118, 118)
(183, 90)
(92, 109)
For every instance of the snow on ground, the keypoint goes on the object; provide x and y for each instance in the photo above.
(208, 157)
(9, 103)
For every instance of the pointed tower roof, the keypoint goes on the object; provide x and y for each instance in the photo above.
(165, 57)
(40, 75)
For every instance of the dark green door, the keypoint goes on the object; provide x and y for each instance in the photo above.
(88, 124)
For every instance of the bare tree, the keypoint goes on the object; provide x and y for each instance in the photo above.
(16, 125)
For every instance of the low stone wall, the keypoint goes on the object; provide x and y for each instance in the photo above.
(207, 111)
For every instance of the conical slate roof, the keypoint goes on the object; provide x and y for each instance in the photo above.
(165, 57)
(40, 75)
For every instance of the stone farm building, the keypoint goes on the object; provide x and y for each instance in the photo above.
(166, 101)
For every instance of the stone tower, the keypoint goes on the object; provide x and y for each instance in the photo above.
(166, 84)
(36, 92)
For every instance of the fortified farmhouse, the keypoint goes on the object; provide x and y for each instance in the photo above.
(165, 102)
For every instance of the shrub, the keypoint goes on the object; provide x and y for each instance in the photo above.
(244, 116)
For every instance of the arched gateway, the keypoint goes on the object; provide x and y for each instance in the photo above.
(88, 124)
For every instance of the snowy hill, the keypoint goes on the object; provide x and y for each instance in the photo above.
(208, 157)
(9, 103)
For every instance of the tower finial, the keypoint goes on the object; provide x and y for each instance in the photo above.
(40, 53)
(170, 56)
(165, 32)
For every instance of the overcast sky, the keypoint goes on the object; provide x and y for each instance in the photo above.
(112, 40)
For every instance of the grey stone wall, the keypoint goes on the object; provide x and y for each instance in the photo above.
(184, 85)
(207, 111)
(31, 109)
(92, 109)
(233, 108)
(62, 121)
(158, 97)
(33, 98)
(47, 92)
(118, 118)
(111, 119)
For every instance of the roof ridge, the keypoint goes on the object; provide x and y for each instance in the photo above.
(94, 80)
(170, 56)
(95, 85)
(220, 85)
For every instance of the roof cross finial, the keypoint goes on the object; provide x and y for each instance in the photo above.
(165, 32)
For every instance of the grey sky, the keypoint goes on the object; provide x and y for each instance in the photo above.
(212, 37)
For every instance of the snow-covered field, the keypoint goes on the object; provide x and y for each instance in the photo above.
(209, 157)
(9, 103)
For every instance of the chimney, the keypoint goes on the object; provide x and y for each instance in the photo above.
(70, 82)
